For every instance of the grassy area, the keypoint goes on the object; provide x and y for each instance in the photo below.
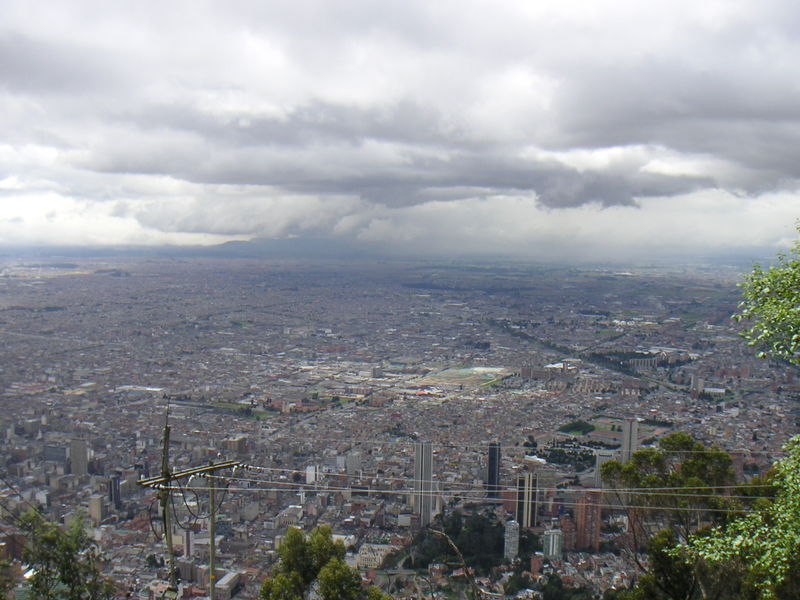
(606, 332)
(692, 317)
(260, 415)
(227, 405)
(241, 324)
(577, 428)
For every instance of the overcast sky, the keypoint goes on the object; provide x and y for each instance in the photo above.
(534, 128)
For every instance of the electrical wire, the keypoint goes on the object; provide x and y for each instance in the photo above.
(308, 488)
(713, 493)
(484, 500)
(646, 490)
(508, 449)
(156, 535)
(11, 487)
(186, 502)
(175, 514)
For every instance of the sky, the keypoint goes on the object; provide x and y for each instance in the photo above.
(542, 130)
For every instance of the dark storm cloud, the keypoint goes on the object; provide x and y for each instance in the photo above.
(555, 185)
(428, 151)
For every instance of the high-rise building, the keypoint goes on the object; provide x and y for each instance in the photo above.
(352, 463)
(588, 513)
(311, 474)
(568, 532)
(493, 471)
(114, 491)
(79, 457)
(423, 484)
(551, 543)
(528, 499)
(188, 542)
(97, 508)
(600, 457)
(55, 453)
(522, 504)
(630, 438)
(511, 540)
(537, 562)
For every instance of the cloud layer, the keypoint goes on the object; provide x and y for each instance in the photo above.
(533, 129)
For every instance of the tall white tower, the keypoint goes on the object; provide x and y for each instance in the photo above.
(630, 438)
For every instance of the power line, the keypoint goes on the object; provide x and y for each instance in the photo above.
(507, 449)
(713, 492)
(480, 499)
(672, 491)
(379, 476)
(10, 486)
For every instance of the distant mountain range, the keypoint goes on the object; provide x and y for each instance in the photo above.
(343, 249)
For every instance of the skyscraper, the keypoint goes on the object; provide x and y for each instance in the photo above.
(601, 457)
(630, 438)
(114, 492)
(79, 457)
(423, 484)
(552, 541)
(523, 509)
(588, 514)
(97, 508)
(511, 540)
(528, 500)
(493, 471)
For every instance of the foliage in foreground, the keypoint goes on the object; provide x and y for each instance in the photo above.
(315, 561)
(770, 303)
(687, 481)
(65, 561)
(479, 538)
(753, 557)
(764, 545)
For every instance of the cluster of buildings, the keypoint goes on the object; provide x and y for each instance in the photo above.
(367, 397)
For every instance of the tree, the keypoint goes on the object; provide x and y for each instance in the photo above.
(374, 593)
(66, 562)
(518, 581)
(7, 578)
(315, 561)
(668, 577)
(700, 475)
(554, 589)
(770, 304)
(675, 490)
(337, 581)
(283, 586)
(478, 537)
(763, 545)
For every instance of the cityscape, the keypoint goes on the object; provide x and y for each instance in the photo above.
(357, 300)
(374, 397)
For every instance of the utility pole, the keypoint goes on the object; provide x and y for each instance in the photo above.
(164, 497)
(162, 484)
(212, 533)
